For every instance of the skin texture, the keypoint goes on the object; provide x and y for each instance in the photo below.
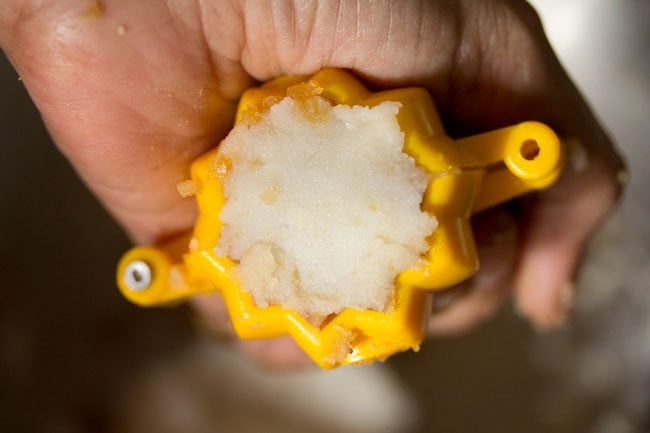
(132, 92)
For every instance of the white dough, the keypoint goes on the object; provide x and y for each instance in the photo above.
(322, 215)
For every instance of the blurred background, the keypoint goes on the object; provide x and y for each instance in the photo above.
(76, 357)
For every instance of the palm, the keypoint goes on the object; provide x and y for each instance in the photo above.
(134, 95)
(129, 110)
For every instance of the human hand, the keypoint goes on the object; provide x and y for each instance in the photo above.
(132, 92)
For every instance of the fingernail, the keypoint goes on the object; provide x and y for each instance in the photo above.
(558, 318)
(578, 156)
(443, 300)
(567, 297)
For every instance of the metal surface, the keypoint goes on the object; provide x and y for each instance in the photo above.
(138, 275)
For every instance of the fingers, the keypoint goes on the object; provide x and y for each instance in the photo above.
(390, 43)
(479, 298)
(559, 224)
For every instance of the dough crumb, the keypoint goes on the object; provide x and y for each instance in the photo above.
(187, 188)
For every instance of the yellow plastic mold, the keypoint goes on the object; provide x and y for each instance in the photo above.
(468, 175)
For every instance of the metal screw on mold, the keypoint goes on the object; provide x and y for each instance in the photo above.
(137, 275)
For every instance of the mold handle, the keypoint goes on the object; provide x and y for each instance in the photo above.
(516, 160)
(151, 277)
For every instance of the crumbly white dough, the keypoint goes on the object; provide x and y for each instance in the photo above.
(322, 214)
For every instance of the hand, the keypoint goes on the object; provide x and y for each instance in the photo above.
(132, 92)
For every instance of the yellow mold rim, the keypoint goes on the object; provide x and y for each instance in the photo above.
(468, 175)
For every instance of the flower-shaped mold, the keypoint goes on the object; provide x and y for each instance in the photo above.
(467, 175)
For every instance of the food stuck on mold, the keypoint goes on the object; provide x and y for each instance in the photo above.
(322, 206)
